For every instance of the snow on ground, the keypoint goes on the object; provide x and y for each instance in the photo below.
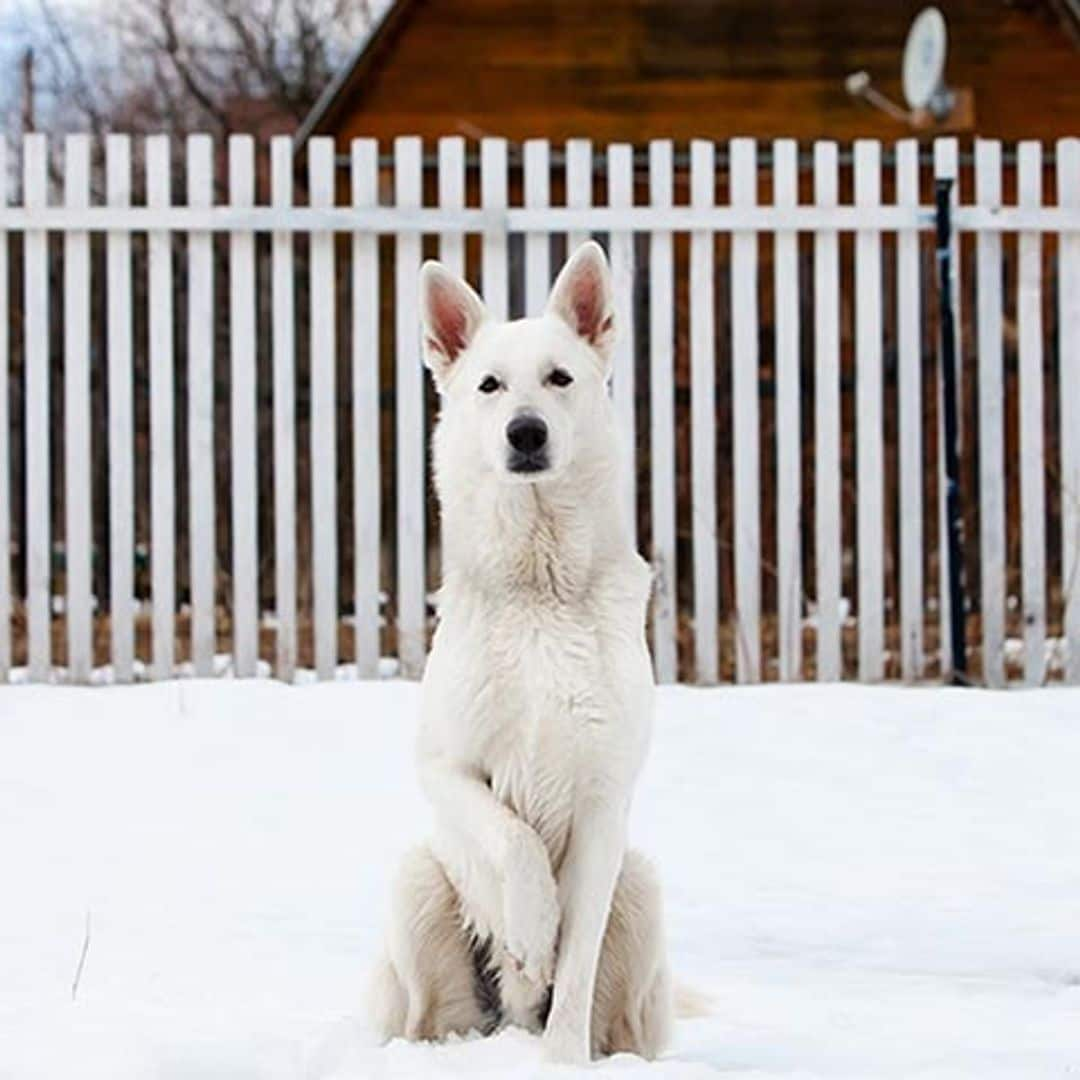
(869, 882)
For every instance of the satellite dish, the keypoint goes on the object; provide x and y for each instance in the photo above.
(924, 65)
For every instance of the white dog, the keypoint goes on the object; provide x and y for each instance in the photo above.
(537, 700)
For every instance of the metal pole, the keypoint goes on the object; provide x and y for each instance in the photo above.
(953, 522)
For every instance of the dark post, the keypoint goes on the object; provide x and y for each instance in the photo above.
(957, 638)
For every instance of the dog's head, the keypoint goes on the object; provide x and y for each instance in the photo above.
(521, 398)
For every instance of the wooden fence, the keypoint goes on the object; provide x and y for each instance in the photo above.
(790, 501)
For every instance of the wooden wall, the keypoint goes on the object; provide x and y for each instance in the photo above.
(631, 70)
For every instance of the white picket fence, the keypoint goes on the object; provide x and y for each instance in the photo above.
(371, 212)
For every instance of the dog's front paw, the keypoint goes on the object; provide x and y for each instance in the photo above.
(531, 917)
(564, 1045)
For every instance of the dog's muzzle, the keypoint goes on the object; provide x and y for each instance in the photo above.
(527, 435)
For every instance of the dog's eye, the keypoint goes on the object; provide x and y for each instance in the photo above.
(560, 377)
(489, 385)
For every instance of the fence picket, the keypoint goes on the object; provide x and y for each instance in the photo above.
(36, 322)
(494, 249)
(946, 167)
(162, 415)
(201, 513)
(662, 419)
(537, 164)
(1068, 193)
(245, 556)
(909, 378)
(411, 579)
(703, 418)
(283, 301)
(827, 537)
(869, 422)
(1032, 448)
(991, 418)
(365, 378)
(745, 423)
(451, 197)
(620, 164)
(5, 435)
(121, 418)
(323, 426)
(788, 426)
(578, 186)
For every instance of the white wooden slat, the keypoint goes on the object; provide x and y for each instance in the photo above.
(662, 420)
(283, 330)
(1032, 446)
(451, 197)
(36, 336)
(869, 419)
(909, 377)
(5, 450)
(121, 422)
(494, 246)
(537, 244)
(991, 387)
(621, 249)
(578, 186)
(411, 565)
(201, 472)
(1068, 194)
(78, 541)
(788, 421)
(162, 416)
(827, 540)
(245, 557)
(320, 153)
(703, 419)
(946, 167)
(745, 422)
(365, 383)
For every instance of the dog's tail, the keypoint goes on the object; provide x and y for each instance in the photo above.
(691, 1003)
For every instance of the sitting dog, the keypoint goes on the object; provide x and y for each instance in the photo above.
(526, 906)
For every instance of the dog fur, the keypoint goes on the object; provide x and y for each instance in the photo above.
(526, 906)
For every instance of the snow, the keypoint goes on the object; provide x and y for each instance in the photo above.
(868, 882)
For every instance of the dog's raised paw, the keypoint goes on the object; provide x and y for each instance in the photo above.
(531, 920)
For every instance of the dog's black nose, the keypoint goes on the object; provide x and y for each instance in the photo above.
(527, 434)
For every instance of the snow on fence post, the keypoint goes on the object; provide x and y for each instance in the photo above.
(578, 186)
(5, 491)
(201, 513)
(77, 489)
(1032, 447)
(365, 376)
(36, 374)
(283, 331)
(991, 417)
(827, 544)
(946, 167)
(452, 197)
(661, 412)
(409, 395)
(788, 426)
(620, 167)
(121, 416)
(494, 247)
(162, 414)
(245, 555)
(745, 424)
(703, 417)
(1068, 194)
(537, 165)
(320, 152)
(909, 379)
(869, 418)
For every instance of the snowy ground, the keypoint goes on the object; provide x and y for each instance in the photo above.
(869, 882)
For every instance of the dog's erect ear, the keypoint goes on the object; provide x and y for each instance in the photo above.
(451, 313)
(582, 298)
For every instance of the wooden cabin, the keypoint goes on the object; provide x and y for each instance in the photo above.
(632, 70)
